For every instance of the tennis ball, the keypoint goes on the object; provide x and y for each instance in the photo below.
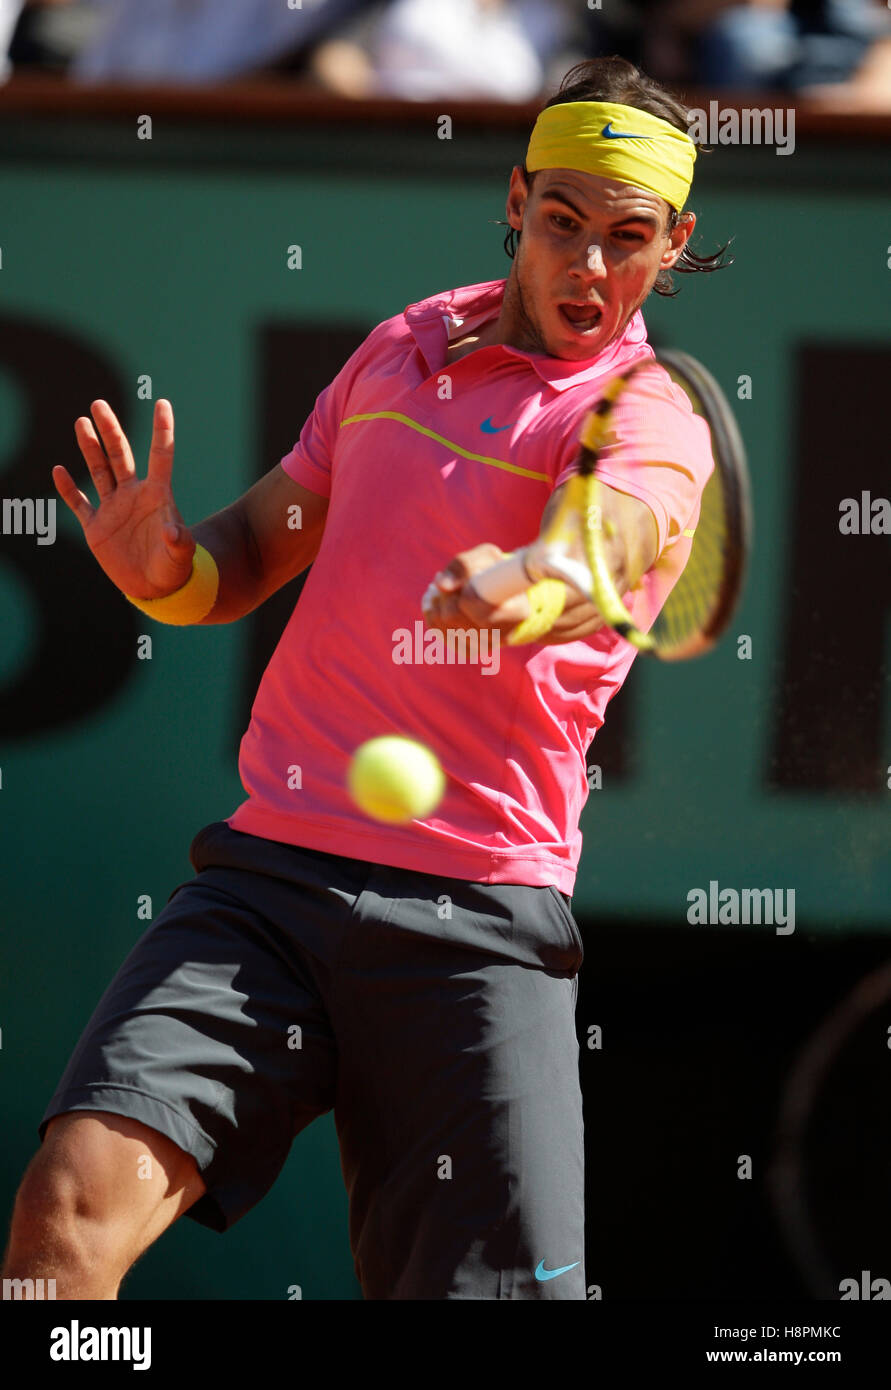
(395, 779)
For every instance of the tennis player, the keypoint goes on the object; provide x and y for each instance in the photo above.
(420, 980)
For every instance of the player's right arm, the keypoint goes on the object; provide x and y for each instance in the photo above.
(140, 540)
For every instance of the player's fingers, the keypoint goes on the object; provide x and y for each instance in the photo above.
(120, 455)
(578, 619)
(71, 495)
(469, 562)
(442, 611)
(576, 607)
(160, 463)
(431, 605)
(98, 465)
(573, 631)
(478, 613)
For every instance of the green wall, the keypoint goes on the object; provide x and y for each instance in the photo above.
(168, 258)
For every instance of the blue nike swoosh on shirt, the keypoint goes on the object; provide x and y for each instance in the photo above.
(488, 428)
(542, 1273)
(617, 135)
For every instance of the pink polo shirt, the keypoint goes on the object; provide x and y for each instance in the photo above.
(422, 459)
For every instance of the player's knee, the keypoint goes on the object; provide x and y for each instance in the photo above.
(101, 1170)
(42, 1216)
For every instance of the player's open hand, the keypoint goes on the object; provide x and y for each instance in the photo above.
(136, 532)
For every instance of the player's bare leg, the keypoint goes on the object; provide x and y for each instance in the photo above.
(95, 1196)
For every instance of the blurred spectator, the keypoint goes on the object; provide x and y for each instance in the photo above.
(833, 51)
(47, 34)
(465, 48)
(9, 18)
(420, 49)
(502, 49)
(204, 40)
(177, 41)
(836, 49)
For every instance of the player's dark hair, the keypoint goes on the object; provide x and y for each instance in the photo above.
(618, 81)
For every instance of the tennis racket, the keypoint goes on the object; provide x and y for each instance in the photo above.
(574, 543)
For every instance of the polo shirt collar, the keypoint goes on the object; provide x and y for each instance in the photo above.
(432, 322)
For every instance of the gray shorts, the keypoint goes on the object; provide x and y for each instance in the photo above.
(435, 1016)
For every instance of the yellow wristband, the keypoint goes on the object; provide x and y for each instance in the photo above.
(192, 601)
(547, 598)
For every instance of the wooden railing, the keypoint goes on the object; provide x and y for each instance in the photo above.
(279, 100)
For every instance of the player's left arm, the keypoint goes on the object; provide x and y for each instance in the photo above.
(632, 548)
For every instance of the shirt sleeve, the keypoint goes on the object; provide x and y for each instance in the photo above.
(311, 460)
(660, 453)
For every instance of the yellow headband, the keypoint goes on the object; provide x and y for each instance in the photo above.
(619, 142)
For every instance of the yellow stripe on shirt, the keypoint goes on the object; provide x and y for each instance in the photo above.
(449, 444)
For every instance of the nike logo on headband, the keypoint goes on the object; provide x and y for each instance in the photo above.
(616, 135)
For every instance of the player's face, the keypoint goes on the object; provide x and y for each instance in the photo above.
(589, 254)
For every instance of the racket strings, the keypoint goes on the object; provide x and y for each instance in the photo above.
(702, 598)
(692, 602)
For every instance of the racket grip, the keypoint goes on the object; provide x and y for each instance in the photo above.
(515, 573)
(503, 579)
